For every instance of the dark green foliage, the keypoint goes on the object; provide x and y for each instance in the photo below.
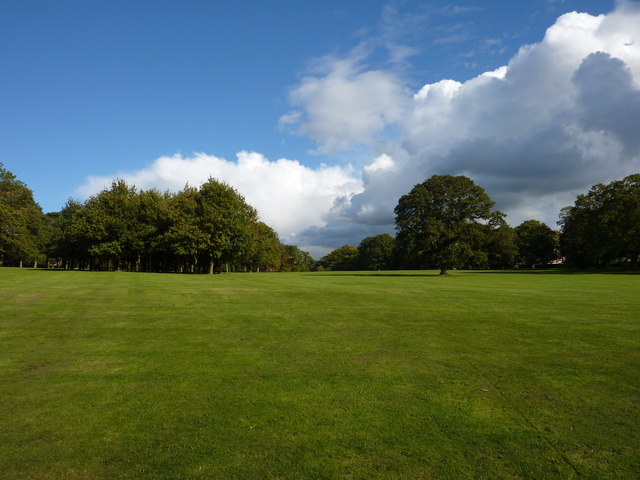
(182, 240)
(603, 226)
(537, 243)
(376, 253)
(501, 243)
(111, 225)
(265, 250)
(226, 221)
(292, 259)
(341, 259)
(194, 230)
(438, 223)
(21, 222)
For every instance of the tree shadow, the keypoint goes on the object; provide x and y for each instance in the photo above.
(453, 273)
(379, 274)
(558, 271)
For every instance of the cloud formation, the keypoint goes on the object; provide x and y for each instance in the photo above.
(561, 116)
(344, 105)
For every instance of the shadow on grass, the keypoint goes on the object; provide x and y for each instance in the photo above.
(399, 273)
(559, 271)
(453, 273)
(376, 274)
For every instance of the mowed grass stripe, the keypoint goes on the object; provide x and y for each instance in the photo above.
(320, 375)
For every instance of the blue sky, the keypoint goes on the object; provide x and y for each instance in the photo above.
(105, 89)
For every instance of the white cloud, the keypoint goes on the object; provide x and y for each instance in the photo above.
(345, 105)
(289, 196)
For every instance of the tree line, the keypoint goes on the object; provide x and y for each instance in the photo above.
(446, 222)
(197, 230)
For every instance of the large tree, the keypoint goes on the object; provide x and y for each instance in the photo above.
(343, 258)
(20, 221)
(226, 220)
(376, 252)
(265, 250)
(293, 259)
(501, 243)
(537, 243)
(182, 240)
(603, 226)
(438, 222)
(112, 228)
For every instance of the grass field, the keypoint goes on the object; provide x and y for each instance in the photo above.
(319, 376)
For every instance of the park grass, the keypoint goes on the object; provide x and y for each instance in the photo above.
(391, 375)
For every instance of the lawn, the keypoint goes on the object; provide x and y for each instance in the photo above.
(399, 375)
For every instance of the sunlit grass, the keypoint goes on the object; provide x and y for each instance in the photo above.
(309, 376)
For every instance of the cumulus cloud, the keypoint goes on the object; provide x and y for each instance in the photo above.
(289, 196)
(561, 116)
(344, 104)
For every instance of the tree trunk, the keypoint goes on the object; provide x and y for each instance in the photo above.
(227, 265)
(20, 263)
(211, 267)
(35, 264)
(444, 271)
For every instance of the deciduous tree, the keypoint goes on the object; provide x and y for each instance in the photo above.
(438, 222)
(226, 220)
(343, 258)
(603, 226)
(537, 243)
(20, 221)
(376, 252)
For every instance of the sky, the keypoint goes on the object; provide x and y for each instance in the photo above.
(322, 114)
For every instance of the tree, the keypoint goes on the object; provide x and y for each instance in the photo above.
(501, 243)
(73, 241)
(292, 259)
(437, 222)
(150, 217)
(226, 220)
(343, 258)
(375, 253)
(537, 243)
(20, 221)
(603, 226)
(111, 225)
(182, 240)
(265, 251)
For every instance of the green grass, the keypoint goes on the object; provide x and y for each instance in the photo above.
(319, 376)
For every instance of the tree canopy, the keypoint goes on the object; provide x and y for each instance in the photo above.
(537, 243)
(194, 230)
(20, 221)
(603, 226)
(376, 252)
(293, 259)
(437, 222)
(343, 258)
